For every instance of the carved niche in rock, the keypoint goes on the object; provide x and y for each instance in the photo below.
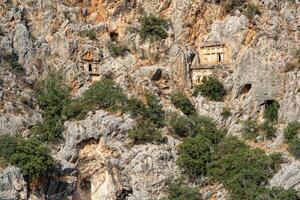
(213, 54)
(90, 63)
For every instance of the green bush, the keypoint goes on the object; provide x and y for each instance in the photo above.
(180, 125)
(268, 129)
(32, 158)
(271, 111)
(49, 131)
(194, 154)
(8, 146)
(294, 147)
(181, 101)
(226, 113)
(278, 194)
(211, 88)
(136, 108)
(29, 155)
(105, 94)
(117, 49)
(243, 171)
(154, 111)
(73, 109)
(178, 192)
(291, 131)
(52, 94)
(204, 126)
(251, 11)
(193, 126)
(250, 129)
(152, 28)
(144, 132)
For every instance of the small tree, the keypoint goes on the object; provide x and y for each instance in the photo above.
(211, 88)
(52, 94)
(152, 28)
(181, 101)
(49, 131)
(180, 125)
(145, 132)
(105, 94)
(32, 158)
(291, 131)
(194, 154)
(29, 155)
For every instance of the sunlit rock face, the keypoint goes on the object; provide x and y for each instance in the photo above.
(253, 57)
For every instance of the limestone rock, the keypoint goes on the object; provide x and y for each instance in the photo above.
(22, 43)
(12, 185)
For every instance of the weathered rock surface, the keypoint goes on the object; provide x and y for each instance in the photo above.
(97, 161)
(12, 185)
(107, 164)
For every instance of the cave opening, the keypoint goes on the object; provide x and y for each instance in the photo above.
(246, 88)
(113, 36)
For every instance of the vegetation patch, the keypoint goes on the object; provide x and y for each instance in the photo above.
(268, 130)
(145, 131)
(292, 131)
(211, 88)
(193, 126)
(105, 94)
(226, 113)
(177, 191)
(271, 111)
(154, 110)
(181, 101)
(30, 156)
(243, 171)
(153, 28)
(291, 136)
(195, 153)
(52, 95)
(251, 130)
(117, 49)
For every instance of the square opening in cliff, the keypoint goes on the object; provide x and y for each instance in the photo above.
(213, 54)
(90, 64)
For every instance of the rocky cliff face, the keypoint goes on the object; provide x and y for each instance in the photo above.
(97, 160)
